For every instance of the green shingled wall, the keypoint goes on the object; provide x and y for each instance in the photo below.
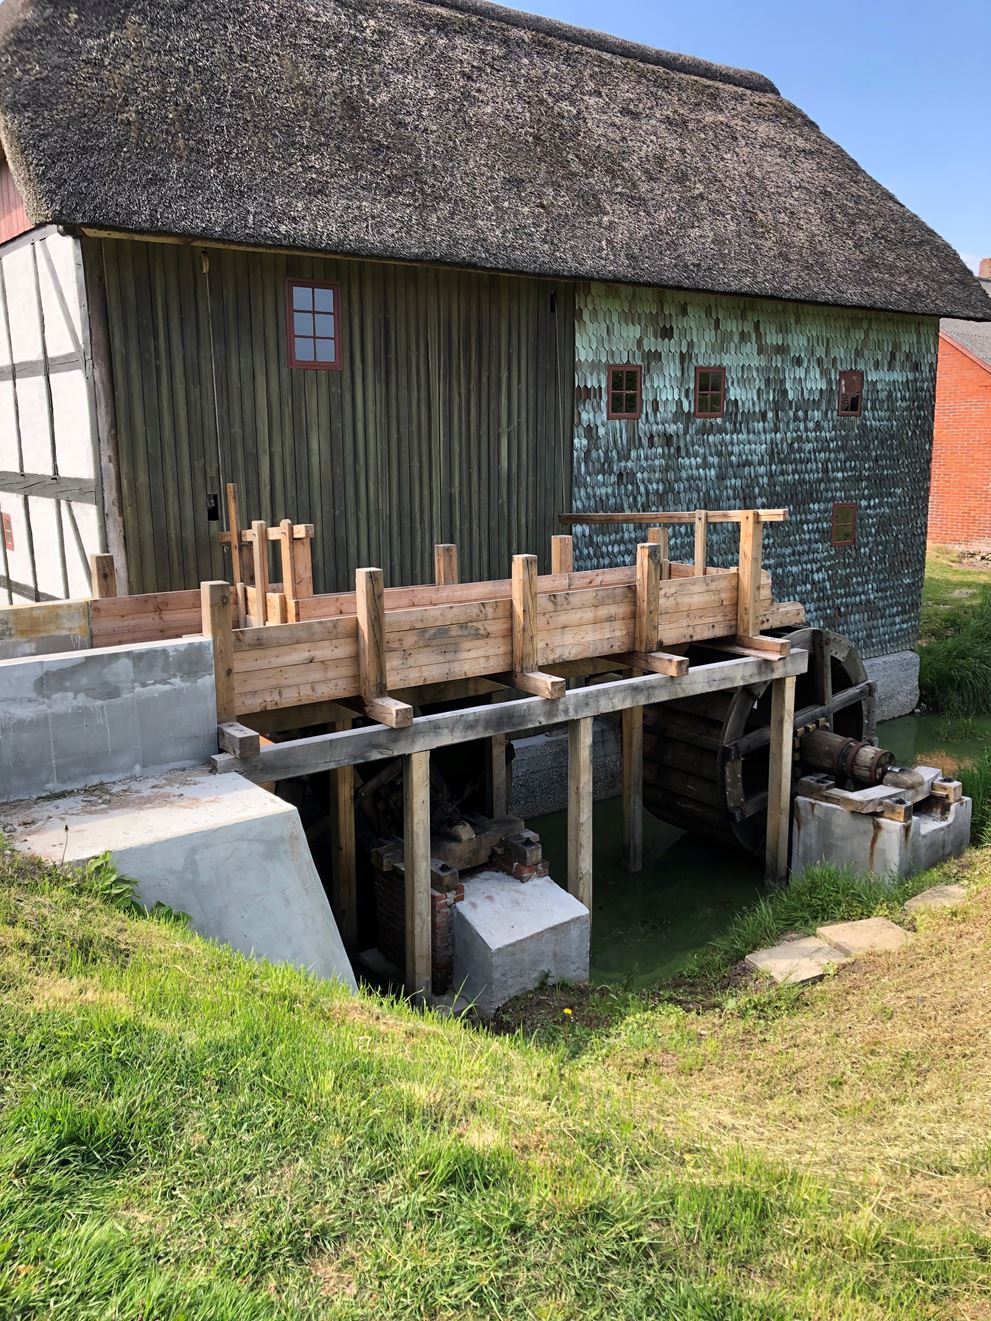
(780, 442)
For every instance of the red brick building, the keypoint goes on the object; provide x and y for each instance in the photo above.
(960, 495)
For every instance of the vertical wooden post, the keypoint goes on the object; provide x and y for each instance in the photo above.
(646, 621)
(302, 563)
(416, 865)
(344, 885)
(215, 603)
(445, 564)
(660, 536)
(633, 789)
(287, 557)
(102, 576)
(748, 598)
(498, 775)
(259, 559)
(524, 591)
(779, 779)
(370, 610)
(701, 539)
(562, 554)
(580, 803)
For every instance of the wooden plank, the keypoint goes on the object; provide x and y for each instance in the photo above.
(633, 789)
(580, 806)
(681, 516)
(344, 873)
(445, 564)
(216, 604)
(259, 560)
(701, 540)
(550, 686)
(748, 598)
(562, 554)
(648, 597)
(782, 738)
(371, 652)
(657, 662)
(103, 576)
(416, 859)
(524, 612)
(443, 729)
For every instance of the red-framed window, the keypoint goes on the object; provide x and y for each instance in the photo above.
(710, 391)
(625, 390)
(850, 396)
(844, 525)
(313, 320)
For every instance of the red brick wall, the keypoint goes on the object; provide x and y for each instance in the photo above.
(960, 496)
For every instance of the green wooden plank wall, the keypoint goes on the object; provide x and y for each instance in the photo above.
(450, 421)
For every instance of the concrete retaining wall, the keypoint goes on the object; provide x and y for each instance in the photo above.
(84, 717)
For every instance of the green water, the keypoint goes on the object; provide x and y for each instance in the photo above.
(646, 927)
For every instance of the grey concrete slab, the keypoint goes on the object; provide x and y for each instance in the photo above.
(176, 701)
(225, 851)
(826, 832)
(511, 936)
(802, 959)
(937, 896)
(896, 675)
(869, 935)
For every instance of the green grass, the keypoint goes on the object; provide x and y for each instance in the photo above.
(185, 1133)
(955, 637)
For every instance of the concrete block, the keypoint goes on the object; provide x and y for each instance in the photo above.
(871, 935)
(937, 896)
(803, 959)
(176, 701)
(897, 678)
(540, 769)
(92, 717)
(510, 938)
(26, 763)
(37, 630)
(824, 832)
(225, 851)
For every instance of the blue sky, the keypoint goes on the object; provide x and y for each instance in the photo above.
(904, 87)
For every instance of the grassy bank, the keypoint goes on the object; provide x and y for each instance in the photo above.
(955, 636)
(189, 1134)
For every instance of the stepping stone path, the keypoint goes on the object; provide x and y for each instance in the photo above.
(940, 896)
(803, 959)
(871, 935)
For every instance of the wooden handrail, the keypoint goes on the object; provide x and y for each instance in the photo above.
(681, 516)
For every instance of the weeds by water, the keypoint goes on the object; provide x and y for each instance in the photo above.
(955, 642)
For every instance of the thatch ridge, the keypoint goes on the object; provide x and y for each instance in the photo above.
(454, 132)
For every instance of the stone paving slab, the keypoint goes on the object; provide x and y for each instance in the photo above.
(939, 896)
(804, 959)
(871, 935)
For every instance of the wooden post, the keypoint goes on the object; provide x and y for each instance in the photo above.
(562, 554)
(259, 559)
(416, 865)
(102, 576)
(633, 789)
(445, 564)
(525, 675)
(646, 621)
(748, 598)
(659, 536)
(497, 776)
(344, 885)
(287, 556)
(779, 779)
(215, 603)
(370, 609)
(580, 803)
(701, 539)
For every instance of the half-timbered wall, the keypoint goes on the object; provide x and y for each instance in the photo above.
(49, 488)
(450, 419)
(780, 442)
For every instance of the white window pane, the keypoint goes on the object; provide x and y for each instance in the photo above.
(302, 297)
(325, 325)
(325, 350)
(324, 300)
(302, 323)
(304, 350)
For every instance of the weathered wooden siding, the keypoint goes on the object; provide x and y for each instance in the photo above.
(450, 421)
(13, 216)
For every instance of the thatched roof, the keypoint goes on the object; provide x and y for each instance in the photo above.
(449, 131)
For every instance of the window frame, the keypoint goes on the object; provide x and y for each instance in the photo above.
(624, 367)
(697, 412)
(298, 364)
(846, 412)
(838, 506)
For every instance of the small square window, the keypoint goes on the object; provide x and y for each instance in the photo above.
(625, 391)
(851, 394)
(710, 391)
(844, 529)
(313, 325)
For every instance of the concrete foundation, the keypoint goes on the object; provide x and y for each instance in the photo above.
(225, 851)
(84, 717)
(868, 842)
(511, 936)
(540, 769)
(897, 679)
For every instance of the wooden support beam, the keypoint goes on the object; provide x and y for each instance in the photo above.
(782, 740)
(647, 619)
(215, 604)
(536, 682)
(416, 860)
(525, 676)
(238, 739)
(102, 576)
(748, 594)
(580, 804)
(633, 789)
(655, 662)
(562, 554)
(701, 540)
(259, 552)
(344, 872)
(445, 564)
(770, 646)
(370, 610)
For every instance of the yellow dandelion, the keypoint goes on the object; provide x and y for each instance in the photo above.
(568, 1012)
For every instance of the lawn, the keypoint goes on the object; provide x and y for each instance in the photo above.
(189, 1134)
(955, 636)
